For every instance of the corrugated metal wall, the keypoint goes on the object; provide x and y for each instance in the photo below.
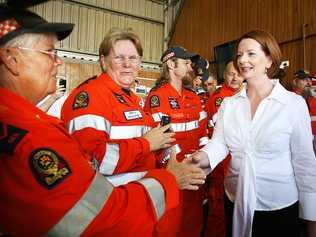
(93, 18)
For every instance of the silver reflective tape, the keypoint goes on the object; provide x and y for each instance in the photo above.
(210, 123)
(214, 118)
(156, 193)
(181, 127)
(313, 118)
(78, 218)
(89, 121)
(203, 115)
(125, 132)
(203, 141)
(110, 159)
(157, 116)
(124, 178)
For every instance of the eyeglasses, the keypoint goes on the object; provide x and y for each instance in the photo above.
(52, 52)
(120, 59)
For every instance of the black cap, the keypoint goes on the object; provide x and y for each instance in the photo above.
(302, 74)
(15, 21)
(176, 52)
(200, 67)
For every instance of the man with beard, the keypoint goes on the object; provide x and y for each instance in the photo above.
(183, 107)
(302, 85)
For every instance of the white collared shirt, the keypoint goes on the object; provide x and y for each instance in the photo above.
(275, 146)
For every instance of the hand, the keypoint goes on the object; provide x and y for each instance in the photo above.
(200, 158)
(158, 138)
(187, 174)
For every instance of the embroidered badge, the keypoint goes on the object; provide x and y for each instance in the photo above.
(218, 101)
(10, 137)
(154, 101)
(120, 99)
(81, 100)
(48, 167)
(173, 103)
(133, 114)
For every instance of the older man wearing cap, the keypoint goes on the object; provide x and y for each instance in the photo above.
(183, 106)
(47, 186)
(302, 79)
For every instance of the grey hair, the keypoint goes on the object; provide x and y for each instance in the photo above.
(26, 40)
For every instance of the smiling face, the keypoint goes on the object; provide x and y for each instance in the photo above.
(251, 59)
(122, 63)
(33, 67)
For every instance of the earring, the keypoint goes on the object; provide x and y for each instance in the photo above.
(266, 71)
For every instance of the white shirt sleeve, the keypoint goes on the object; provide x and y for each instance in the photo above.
(304, 162)
(217, 149)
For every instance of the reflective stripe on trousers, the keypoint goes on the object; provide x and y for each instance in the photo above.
(156, 193)
(77, 219)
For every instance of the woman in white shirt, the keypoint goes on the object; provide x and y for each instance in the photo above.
(272, 174)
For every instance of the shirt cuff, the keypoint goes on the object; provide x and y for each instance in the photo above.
(144, 144)
(307, 203)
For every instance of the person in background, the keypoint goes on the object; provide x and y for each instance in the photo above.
(49, 100)
(271, 176)
(303, 85)
(47, 186)
(170, 98)
(210, 84)
(216, 214)
(302, 79)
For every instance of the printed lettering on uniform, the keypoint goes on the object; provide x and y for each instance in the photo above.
(10, 137)
(173, 103)
(48, 167)
(132, 114)
(154, 101)
(81, 100)
(120, 99)
(218, 101)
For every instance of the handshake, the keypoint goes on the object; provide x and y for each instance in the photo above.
(191, 172)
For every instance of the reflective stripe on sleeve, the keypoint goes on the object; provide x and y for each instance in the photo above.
(124, 178)
(110, 159)
(203, 115)
(89, 121)
(203, 141)
(156, 193)
(313, 118)
(214, 118)
(125, 132)
(210, 123)
(77, 219)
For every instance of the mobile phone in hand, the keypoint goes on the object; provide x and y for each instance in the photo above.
(164, 121)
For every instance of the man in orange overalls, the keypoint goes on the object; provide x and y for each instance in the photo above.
(183, 106)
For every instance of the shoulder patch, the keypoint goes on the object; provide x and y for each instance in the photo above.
(48, 168)
(154, 101)
(81, 100)
(218, 101)
(10, 137)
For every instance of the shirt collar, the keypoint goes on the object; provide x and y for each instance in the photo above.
(278, 93)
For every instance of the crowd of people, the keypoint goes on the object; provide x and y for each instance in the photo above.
(195, 160)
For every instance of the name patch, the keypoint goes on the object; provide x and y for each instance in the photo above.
(133, 114)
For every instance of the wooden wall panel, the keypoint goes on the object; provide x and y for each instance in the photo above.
(204, 24)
